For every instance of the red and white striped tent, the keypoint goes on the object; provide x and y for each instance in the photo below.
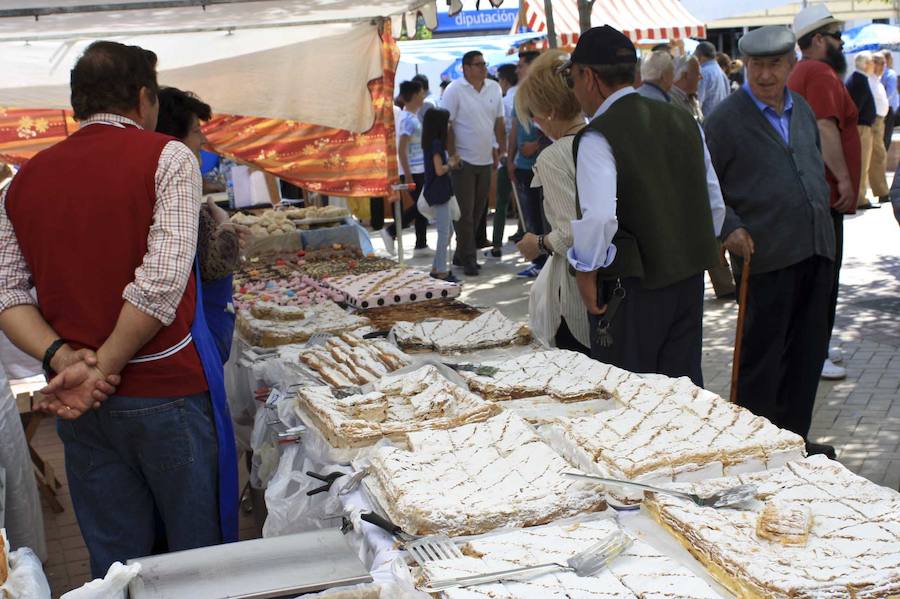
(638, 19)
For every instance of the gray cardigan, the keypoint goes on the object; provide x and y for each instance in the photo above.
(776, 191)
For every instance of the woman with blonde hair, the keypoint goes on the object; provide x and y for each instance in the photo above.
(555, 307)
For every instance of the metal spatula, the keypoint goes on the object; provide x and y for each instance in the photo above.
(726, 498)
(585, 563)
(422, 549)
(479, 370)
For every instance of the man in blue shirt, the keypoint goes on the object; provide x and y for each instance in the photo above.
(714, 87)
(764, 143)
(889, 80)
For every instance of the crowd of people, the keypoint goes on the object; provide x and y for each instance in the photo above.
(626, 227)
(630, 179)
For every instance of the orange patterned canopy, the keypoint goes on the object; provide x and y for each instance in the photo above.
(330, 161)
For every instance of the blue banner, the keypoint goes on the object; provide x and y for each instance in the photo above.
(494, 19)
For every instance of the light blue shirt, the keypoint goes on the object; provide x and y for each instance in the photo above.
(714, 87)
(653, 92)
(889, 80)
(780, 122)
(595, 177)
(410, 126)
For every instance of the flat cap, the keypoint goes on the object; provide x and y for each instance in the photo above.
(771, 40)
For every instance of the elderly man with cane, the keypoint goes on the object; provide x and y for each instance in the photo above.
(765, 147)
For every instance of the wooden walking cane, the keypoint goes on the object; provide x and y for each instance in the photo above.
(739, 333)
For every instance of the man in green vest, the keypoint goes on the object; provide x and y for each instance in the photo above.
(649, 208)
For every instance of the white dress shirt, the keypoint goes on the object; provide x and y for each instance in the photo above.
(882, 104)
(509, 103)
(592, 247)
(472, 115)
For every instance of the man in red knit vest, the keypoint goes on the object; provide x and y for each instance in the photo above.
(104, 226)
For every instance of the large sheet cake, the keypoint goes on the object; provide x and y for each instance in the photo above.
(398, 404)
(491, 329)
(840, 533)
(563, 375)
(641, 571)
(671, 430)
(475, 478)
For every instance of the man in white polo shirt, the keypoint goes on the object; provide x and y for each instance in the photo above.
(475, 104)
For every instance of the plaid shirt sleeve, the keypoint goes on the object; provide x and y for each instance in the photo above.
(15, 278)
(160, 280)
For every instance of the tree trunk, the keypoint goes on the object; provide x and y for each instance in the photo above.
(551, 28)
(584, 14)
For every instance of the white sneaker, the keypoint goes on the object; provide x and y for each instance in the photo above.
(836, 355)
(425, 252)
(833, 372)
(389, 242)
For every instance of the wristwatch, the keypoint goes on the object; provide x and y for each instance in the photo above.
(544, 249)
(48, 356)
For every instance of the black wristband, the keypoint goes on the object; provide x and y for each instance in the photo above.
(51, 351)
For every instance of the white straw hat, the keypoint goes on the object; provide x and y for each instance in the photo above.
(812, 18)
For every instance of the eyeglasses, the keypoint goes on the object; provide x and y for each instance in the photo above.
(566, 75)
(833, 34)
(478, 64)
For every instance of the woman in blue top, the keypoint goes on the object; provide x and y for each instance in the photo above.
(411, 162)
(438, 188)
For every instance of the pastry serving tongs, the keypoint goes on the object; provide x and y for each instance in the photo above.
(726, 498)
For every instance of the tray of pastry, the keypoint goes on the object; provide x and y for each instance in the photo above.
(384, 318)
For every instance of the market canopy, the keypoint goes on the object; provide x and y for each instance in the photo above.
(638, 19)
(875, 36)
(307, 61)
(301, 88)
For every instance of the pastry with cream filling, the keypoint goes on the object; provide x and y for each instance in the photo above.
(475, 478)
(852, 547)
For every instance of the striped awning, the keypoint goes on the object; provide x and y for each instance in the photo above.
(638, 19)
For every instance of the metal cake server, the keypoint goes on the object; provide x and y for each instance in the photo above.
(585, 563)
(726, 498)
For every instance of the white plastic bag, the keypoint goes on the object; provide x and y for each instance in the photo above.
(455, 212)
(26, 577)
(290, 509)
(539, 309)
(112, 586)
(425, 208)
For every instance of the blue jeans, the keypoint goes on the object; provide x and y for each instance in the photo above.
(531, 204)
(143, 476)
(444, 229)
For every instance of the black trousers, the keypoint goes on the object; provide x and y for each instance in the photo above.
(785, 334)
(838, 220)
(566, 340)
(655, 330)
(412, 214)
(889, 122)
(376, 209)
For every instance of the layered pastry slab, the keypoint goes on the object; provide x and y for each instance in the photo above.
(836, 534)
(491, 329)
(640, 571)
(290, 324)
(669, 430)
(561, 374)
(475, 478)
(390, 287)
(348, 359)
(398, 404)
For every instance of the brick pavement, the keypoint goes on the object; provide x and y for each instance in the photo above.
(860, 415)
